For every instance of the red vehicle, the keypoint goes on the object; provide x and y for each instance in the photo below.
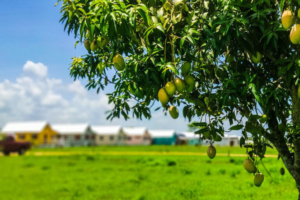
(9, 145)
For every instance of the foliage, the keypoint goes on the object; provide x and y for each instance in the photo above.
(219, 38)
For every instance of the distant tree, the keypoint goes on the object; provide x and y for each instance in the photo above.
(222, 59)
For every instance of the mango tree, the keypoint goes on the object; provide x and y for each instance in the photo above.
(235, 60)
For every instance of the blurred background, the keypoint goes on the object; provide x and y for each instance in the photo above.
(73, 152)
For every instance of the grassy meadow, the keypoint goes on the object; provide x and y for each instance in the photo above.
(152, 148)
(139, 177)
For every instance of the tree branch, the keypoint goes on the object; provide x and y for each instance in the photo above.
(277, 139)
(297, 154)
(295, 106)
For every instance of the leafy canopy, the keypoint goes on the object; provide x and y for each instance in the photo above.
(218, 37)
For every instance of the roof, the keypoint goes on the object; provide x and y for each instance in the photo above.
(23, 127)
(161, 133)
(231, 136)
(228, 137)
(70, 128)
(106, 130)
(135, 130)
(191, 135)
(187, 135)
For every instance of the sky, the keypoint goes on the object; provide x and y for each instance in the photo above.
(35, 54)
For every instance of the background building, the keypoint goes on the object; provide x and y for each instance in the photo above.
(39, 132)
(163, 137)
(74, 134)
(42, 134)
(227, 140)
(109, 135)
(137, 136)
(189, 138)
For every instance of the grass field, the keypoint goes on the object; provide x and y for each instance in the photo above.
(139, 177)
(232, 150)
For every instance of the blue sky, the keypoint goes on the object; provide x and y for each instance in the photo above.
(30, 30)
(34, 80)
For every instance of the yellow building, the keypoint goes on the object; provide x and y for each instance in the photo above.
(36, 132)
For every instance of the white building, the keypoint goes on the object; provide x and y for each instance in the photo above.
(74, 134)
(227, 140)
(137, 136)
(36, 132)
(188, 138)
(109, 135)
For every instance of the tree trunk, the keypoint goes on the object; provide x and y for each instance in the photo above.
(295, 106)
(290, 160)
(284, 153)
(296, 166)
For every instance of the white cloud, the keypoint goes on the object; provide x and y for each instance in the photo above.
(77, 88)
(38, 69)
(34, 96)
(1, 104)
(29, 86)
(52, 99)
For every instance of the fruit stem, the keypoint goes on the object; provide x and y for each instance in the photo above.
(165, 53)
(173, 59)
(266, 169)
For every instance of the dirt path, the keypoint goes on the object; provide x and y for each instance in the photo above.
(129, 153)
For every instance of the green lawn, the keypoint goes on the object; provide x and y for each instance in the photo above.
(86, 177)
(203, 149)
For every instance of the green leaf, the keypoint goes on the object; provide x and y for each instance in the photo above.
(156, 109)
(83, 11)
(191, 39)
(70, 16)
(159, 27)
(143, 15)
(269, 38)
(254, 117)
(92, 29)
(182, 40)
(201, 131)
(236, 127)
(255, 93)
(281, 5)
(242, 141)
(76, 43)
(200, 124)
(185, 110)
